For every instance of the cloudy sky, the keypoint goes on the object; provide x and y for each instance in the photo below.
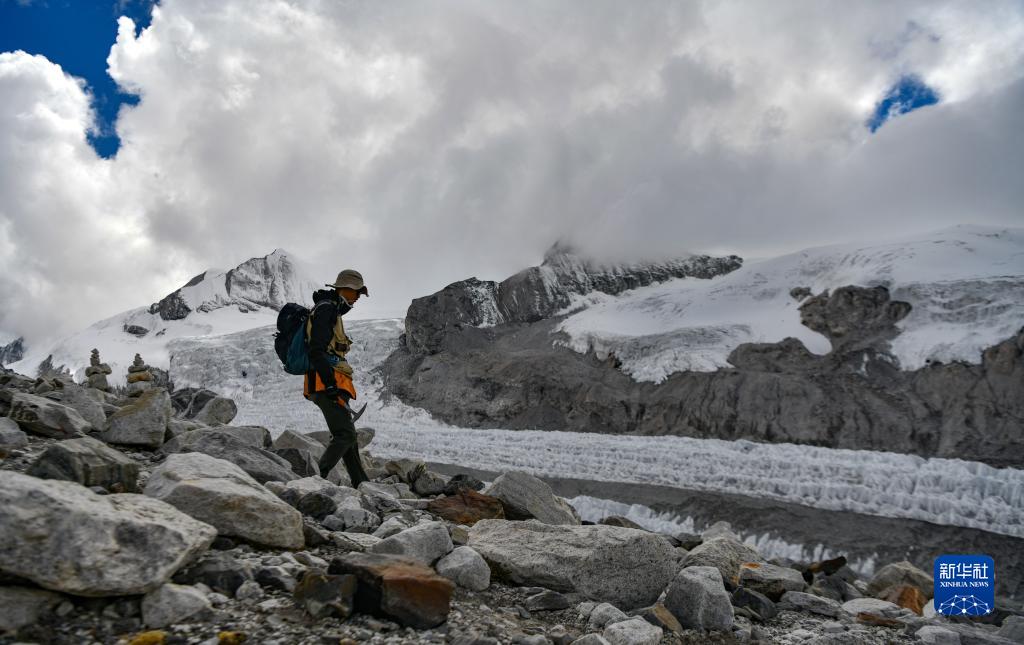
(424, 142)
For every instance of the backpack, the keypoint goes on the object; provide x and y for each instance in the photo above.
(290, 341)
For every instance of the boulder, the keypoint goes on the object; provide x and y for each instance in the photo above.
(1013, 628)
(811, 603)
(218, 570)
(397, 588)
(760, 603)
(466, 568)
(275, 577)
(261, 464)
(219, 410)
(546, 600)
(89, 462)
(769, 579)
(936, 635)
(363, 437)
(605, 614)
(143, 423)
(171, 604)
(658, 614)
(79, 399)
(460, 481)
(353, 542)
(898, 574)
(872, 607)
(429, 483)
(292, 439)
(524, 497)
(393, 525)
(303, 462)
(353, 520)
(624, 566)
(62, 536)
(697, 597)
(466, 506)
(46, 418)
(426, 543)
(906, 596)
(725, 554)
(221, 494)
(635, 631)
(406, 470)
(23, 606)
(255, 436)
(11, 437)
(617, 520)
(323, 595)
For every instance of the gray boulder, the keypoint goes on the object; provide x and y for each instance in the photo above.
(62, 536)
(219, 410)
(261, 464)
(170, 604)
(292, 439)
(697, 597)
(429, 483)
(23, 606)
(47, 418)
(255, 436)
(466, 568)
(143, 423)
(352, 520)
(524, 497)
(898, 574)
(725, 554)
(605, 614)
(303, 463)
(223, 495)
(635, 631)
(82, 401)
(769, 579)
(609, 563)
(89, 462)
(811, 603)
(11, 437)
(426, 543)
(1013, 628)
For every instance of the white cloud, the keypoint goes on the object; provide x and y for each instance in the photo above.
(426, 142)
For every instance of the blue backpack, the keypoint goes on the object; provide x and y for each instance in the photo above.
(290, 341)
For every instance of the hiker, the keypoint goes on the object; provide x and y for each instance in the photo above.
(328, 383)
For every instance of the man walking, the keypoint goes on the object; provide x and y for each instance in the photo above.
(329, 382)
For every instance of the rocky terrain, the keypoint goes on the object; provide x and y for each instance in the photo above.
(141, 515)
(470, 367)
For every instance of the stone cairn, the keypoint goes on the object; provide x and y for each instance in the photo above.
(97, 372)
(140, 378)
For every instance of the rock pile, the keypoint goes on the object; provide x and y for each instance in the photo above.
(96, 373)
(235, 538)
(140, 378)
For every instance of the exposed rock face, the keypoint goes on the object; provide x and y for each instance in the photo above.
(11, 437)
(269, 281)
(89, 462)
(79, 399)
(12, 352)
(143, 423)
(697, 599)
(538, 293)
(217, 411)
(623, 566)
(64, 537)
(511, 375)
(223, 495)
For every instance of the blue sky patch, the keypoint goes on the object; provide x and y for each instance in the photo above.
(77, 35)
(907, 95)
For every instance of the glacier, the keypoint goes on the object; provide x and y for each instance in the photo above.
(953, 492)
(965, 284)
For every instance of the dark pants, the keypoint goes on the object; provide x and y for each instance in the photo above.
(343, 441)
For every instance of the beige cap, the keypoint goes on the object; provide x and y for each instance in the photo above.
(352, 279)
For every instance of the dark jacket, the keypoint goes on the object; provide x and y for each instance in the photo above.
(322, 330)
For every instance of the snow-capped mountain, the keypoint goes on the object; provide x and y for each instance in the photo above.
(965, 285)
(212, 303)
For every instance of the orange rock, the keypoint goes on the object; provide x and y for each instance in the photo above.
(880, 621)
(397, 588)
(467, 507)
(907, 596)
(155, 637)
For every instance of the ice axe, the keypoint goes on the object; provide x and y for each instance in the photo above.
(355, 415)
